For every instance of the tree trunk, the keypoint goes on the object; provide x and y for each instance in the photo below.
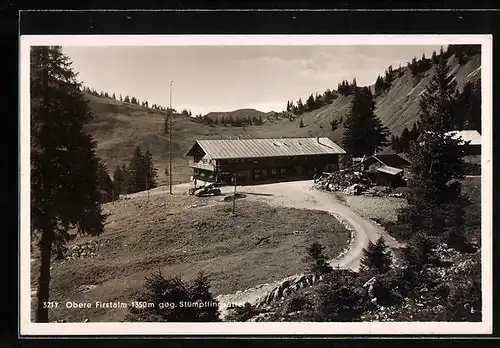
(42, 312)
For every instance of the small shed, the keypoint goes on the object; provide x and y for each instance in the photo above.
(387, 169)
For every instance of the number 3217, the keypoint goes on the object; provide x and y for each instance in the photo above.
(50, 304)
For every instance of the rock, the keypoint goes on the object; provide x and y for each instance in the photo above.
(278, 293)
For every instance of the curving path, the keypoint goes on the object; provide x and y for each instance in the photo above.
(302, 195)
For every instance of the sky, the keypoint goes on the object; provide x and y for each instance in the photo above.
(226, 78)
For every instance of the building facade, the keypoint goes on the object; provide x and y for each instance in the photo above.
(263, 160)
(387, 169)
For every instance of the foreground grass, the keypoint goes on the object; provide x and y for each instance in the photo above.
(184, 235)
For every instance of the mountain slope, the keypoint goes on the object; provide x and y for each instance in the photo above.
(119, 127)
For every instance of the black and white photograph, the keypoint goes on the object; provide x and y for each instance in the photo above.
(256, 184)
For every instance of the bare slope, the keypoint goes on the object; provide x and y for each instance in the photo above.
(260, 244)
(119, 126)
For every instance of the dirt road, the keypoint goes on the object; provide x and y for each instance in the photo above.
(300, 195)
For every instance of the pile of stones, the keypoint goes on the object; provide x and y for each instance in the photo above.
(85, 250)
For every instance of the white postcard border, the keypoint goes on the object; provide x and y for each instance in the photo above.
(259, 328)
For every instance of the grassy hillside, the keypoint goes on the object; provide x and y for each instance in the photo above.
(119, 127)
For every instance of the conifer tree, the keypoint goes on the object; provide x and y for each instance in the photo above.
(328, 96)
(64, 184)
(435, 201)
(199, 292)
(300, 106)
(136, 176)
(310, 103)
(127, 99)
(364, 133)
(377, 257)
(119, 181)
(161, 290)
(105, 183)
(150, 172)
(316, 260)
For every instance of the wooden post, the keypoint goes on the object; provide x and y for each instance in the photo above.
(234, 194)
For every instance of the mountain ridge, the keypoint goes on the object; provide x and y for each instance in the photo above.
(119, 127)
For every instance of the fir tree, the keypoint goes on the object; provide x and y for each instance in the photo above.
(300, 107)
(119, 181)
(328, 96)
(435, 202)
(64, 184)
(340, 297)
(105, 184)
(199, 292)
(377, 258)
(127, 99)
(136, 175)
(434, 58)
(113, 96)
(316, 260)
(310, 103)
(150, 172)
(363, 131)
(161, 290)
(420, 251)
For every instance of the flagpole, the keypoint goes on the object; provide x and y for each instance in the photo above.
(170, 139)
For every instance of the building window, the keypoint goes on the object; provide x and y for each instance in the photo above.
(273, 171)
(283, 170)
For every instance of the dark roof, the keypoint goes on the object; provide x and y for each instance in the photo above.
(253, 148)
(392, 160)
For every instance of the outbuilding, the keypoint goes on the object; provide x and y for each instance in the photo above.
(387, 169)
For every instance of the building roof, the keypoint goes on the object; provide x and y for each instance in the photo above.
(393, 160)
(468, 135)
(389, 170)
(253, 148)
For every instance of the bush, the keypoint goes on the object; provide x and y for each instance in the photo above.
(317, 260)
(389, 287)
(377, 258)
(166, 295)
(340, 297)
(241, 313)
(297, 302)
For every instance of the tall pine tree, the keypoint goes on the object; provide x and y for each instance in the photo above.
(435, 202)
(64, 184)
(377, 257)
(364, 133)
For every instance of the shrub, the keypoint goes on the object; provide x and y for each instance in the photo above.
(297, 302)
(166, 295)
(377, 258)
(340, 297)
(317, 260)
(389, 287)
(241, 313)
